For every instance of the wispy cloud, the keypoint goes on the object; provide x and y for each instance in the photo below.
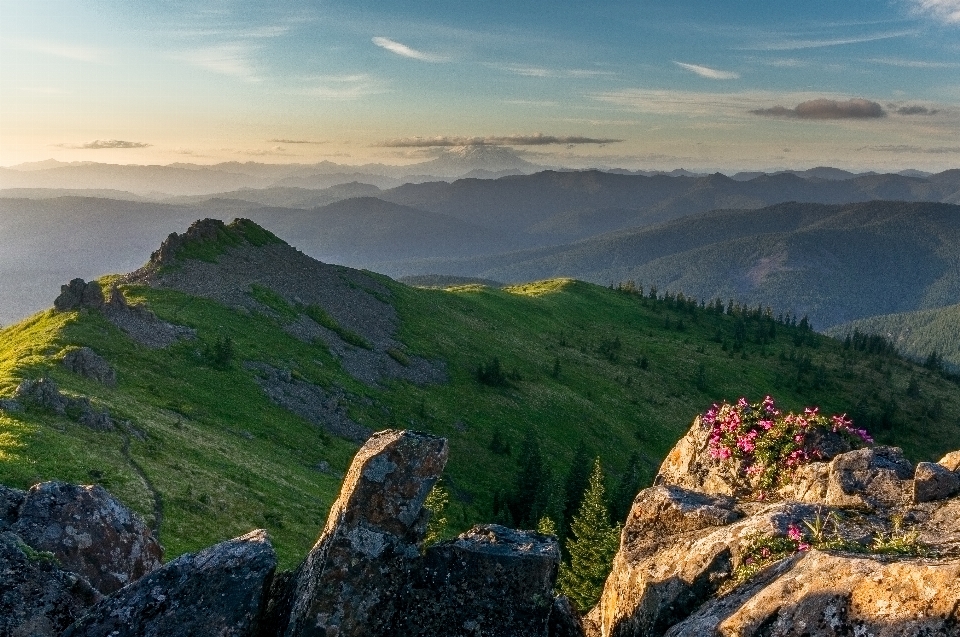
(947, 11)
(538, 71)
(536, 139)
(276, 150)
(346, 87)
(405, 51)
(296, 141)
(231, 59)
(101, 144)
(816, 43)
(908, 148)
(826, 109)
(915, 64)
(707, 72)
(61, 50)
(687, 103)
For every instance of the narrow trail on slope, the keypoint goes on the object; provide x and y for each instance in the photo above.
(157, 497)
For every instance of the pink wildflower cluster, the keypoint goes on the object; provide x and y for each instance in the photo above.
(768, 443)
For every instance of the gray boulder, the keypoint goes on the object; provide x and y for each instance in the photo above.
(869, 478)
(353, 580)
(219, 591)
(37, 598)
(933, 481)
(87, 363)
(490, 581)
(89, 532)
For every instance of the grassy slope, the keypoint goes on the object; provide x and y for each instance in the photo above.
(225, 459)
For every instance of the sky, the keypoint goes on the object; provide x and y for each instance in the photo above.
(699, 84)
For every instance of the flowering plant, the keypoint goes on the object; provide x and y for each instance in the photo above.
(769, 443)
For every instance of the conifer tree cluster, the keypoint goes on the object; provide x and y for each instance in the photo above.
(592, 546)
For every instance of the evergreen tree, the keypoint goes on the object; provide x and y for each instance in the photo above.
(528, 501)
(578, 479)
(436, 503)
(592, 547)
(627, 489)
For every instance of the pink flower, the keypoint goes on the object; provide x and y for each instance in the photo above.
(765, 552)
(793, 532)
(803, 546)
(766, 424)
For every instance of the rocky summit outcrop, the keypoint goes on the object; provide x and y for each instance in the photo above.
(79, 294)
(219, 591)
(857, 542)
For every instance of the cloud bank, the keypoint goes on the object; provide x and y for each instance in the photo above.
(100, 144)
(916, 110)
(537, 139)
(826, 109)
(405, 51)
(707, 72)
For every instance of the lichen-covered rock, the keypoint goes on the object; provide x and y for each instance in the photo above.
(942, 527)
(690, 465)
(37, 598)
(816, 593)
(490, 581)
(352, 581)
(219, 591)
(663, 571)
(10, 502)
(932, 481)
(77, 294)
(808, 483)
(89, 532)
(89, 364)
(868, 478)
(951, 461)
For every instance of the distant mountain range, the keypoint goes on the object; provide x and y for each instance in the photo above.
(834, 263)
(181, 179)
(594, 225)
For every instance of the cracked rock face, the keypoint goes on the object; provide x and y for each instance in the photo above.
(89, 532)
(353, 580)
(219, 591)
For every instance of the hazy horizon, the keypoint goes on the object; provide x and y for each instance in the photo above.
(860, 85)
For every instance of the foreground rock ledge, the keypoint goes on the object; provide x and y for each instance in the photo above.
(219, 591)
